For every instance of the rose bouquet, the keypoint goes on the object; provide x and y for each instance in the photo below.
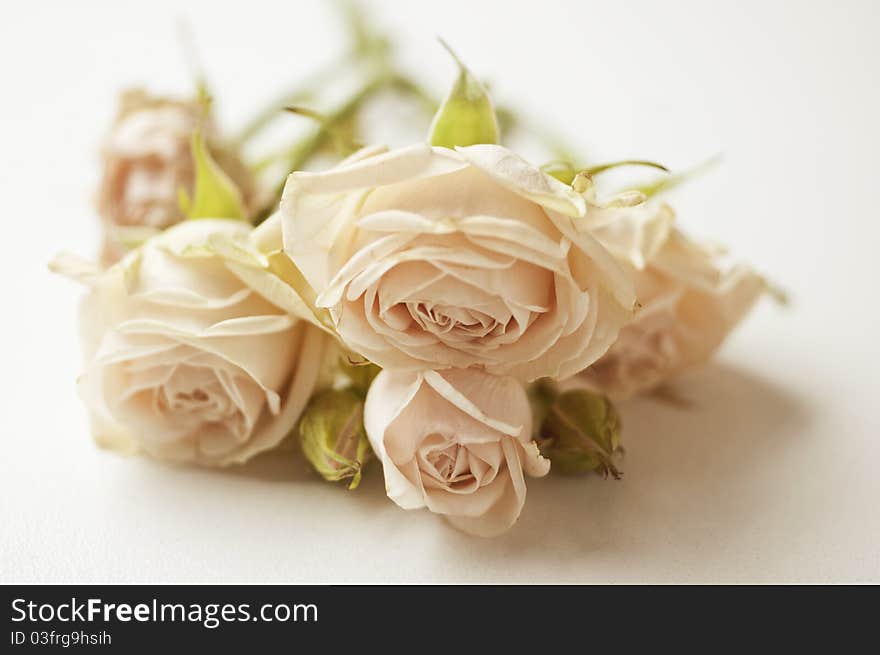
(447, 309)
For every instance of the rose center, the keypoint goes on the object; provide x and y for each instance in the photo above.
(197, 393)
(444, 461)
(447, 462)
(454, 322)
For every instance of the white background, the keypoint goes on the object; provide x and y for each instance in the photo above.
(773, 475)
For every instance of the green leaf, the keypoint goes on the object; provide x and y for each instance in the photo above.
(542, 396)
(466, 116)
(280, 265)
(215, 194)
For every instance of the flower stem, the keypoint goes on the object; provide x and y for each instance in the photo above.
(303, 150)
(409, 86)
(367, 45)
(304, 91)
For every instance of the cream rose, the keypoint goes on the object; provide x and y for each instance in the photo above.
(691, 297)
(456, 442)
(147, 161)
(437, 258)
(187, 363)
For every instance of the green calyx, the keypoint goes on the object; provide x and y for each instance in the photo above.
(466, 116)
(580, 432)
(332, 436)
(215, 195)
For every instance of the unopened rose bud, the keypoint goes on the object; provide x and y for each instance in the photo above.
(466, 116)
(580, 433)
(332, 436)
(542, 394)
(148, 161)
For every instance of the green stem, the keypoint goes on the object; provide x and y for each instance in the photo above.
(409, 86)
(367, 47)
(306, 89)
(670, 182)
(301, 152)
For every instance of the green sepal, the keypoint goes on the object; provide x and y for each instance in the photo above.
(563, 171)
(670, 182)
(361, 373)
(466, 116)
(542, 394)
(215, 195)
(581, 433)
(332, 435)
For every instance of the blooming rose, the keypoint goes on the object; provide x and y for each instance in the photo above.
(690, 298)
(456, 442)
(147, 160)
(437, 258)
(187, 363)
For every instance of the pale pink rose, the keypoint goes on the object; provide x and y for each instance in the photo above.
(456, 442)
(147, 161)
(187, 363)
(437, 258)
(691, 297)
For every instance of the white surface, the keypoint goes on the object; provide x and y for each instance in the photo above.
(773, 476)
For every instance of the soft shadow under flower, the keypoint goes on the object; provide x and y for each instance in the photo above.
(682, 464)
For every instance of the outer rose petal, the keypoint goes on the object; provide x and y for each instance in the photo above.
(487, 415)
(690, 297)
(521, 177)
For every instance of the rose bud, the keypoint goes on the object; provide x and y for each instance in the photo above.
(457, 442)
(332, 436)
(580, 433)
(147, 162)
